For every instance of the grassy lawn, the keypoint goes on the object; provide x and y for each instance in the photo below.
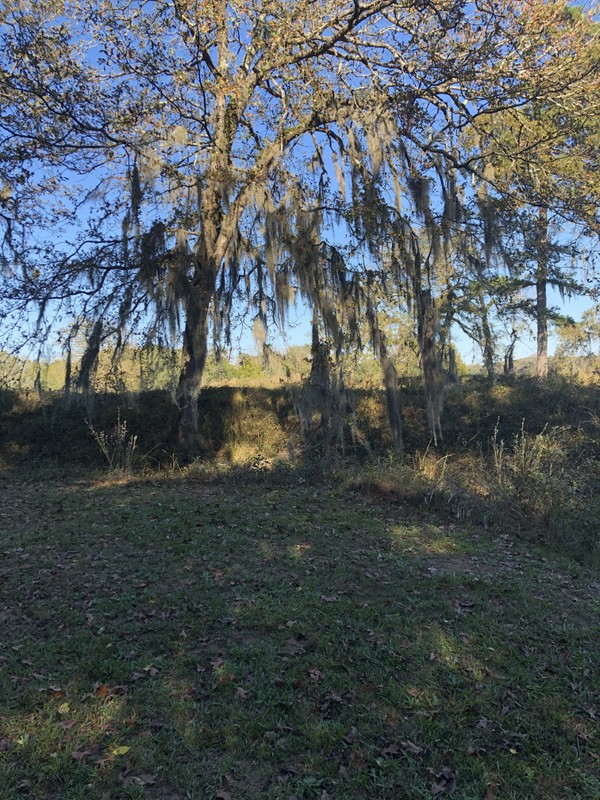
(274, 638)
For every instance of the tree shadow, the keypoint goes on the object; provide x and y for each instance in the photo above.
(275, 638)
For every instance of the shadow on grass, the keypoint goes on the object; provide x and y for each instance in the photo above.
(256, 639)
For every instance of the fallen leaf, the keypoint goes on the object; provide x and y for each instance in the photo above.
(67, 724)
(296, 644)
(351, 737)
(391, 750)
(442, 781)
(145, 780)
(102, 691)
(120, 751)
(223, 794)
(79, 755)
(64, 708)
(411, 747)
(475, 750)
(137, 780)
(242, 694)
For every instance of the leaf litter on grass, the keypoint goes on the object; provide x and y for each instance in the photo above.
(373, 671)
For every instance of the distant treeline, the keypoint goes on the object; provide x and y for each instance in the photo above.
(150, 369)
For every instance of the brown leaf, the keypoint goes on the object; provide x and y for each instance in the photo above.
(411, 747)
(475, 750)
(442, 781)
(79, 755)
(391, 750)
(102, 691)
(351, 737)
(144, 779)
(296, 644)
(223, 794)
(242, 694)
(67, 724)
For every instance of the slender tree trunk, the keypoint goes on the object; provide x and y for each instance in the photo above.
(488, 341)
(509, 361)
(68, 375)
(541, 290)
(320, 379)
(452, 368)
(390, 382)
(433, 378)
(193, 357)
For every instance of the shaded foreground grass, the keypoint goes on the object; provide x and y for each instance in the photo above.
(258, 638)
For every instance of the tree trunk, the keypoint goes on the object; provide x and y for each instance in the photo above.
(390, 378)
(193, 356)
(509, 361)
(541, 291)
(433, 378)
(488, 341)
(392, 393)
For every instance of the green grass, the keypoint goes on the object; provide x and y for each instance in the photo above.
(274, 637)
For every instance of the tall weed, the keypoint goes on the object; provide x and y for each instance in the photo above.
(117, 445)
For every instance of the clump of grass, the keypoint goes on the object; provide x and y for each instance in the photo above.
(542, 485)
(116, 445)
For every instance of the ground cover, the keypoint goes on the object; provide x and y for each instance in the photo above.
(275, 636)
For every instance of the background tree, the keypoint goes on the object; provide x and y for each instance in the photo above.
(542, 173)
